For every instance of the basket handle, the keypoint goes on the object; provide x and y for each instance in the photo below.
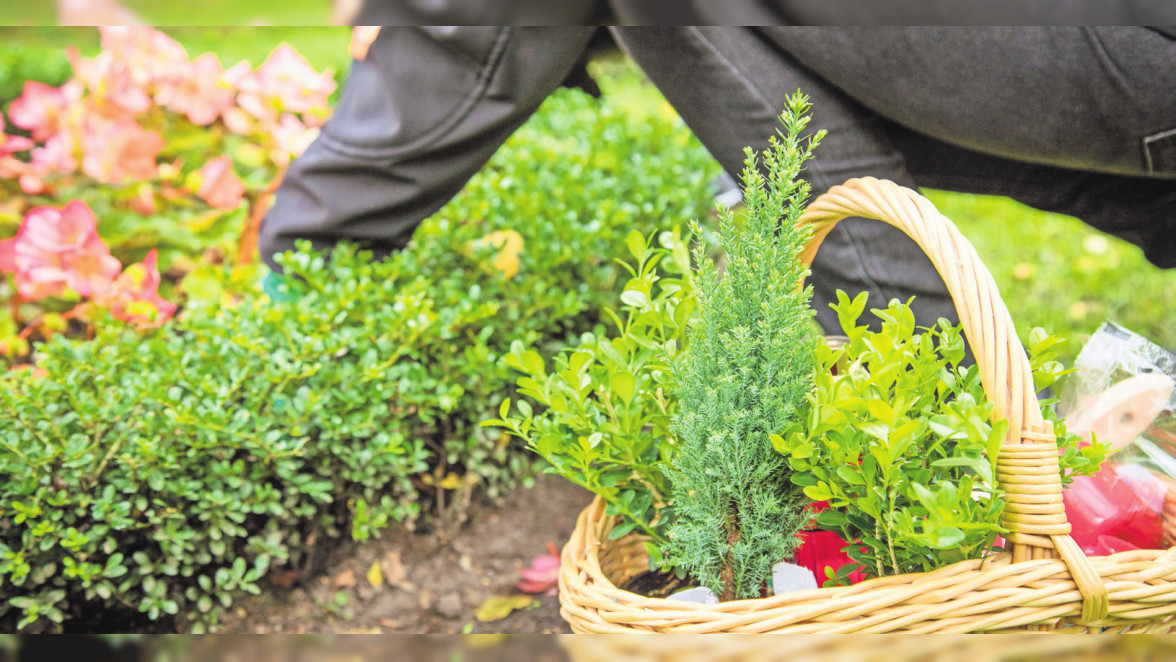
(1027, 467)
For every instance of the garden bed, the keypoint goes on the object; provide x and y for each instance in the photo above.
(445, 577)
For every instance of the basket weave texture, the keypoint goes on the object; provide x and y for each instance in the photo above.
(1044, 582)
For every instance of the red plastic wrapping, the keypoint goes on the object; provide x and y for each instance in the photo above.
(822, 549)
(1108, 545)
(1118, 506)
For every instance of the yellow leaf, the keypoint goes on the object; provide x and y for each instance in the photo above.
(501, 606)
(451, 481)
(375, 575)
(484, 641)
(509, 245)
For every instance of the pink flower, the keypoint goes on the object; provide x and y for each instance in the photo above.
(197, 91)
(134, 295)
(238, 121)
(219, 186)
(118, 150)
(40, 109)
(57, 154)
(8, 255)
(32, 184)
(117, 90)
(291, 138)
(543, 575)
(239, 77)
(13, 144)
(56, 249)
(285, 82)
(151, 56)
(9, 145)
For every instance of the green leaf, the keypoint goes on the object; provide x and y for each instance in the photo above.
(621, 530)
(818, 492)
(635, 242)
(850, 475)
(831, 519)
(635, 299)
(623, 384)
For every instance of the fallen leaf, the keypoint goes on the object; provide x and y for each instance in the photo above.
(394, 572)
(345, 579)
(501, 606)
(375, 575)
(283, 578)
(543, 575)
(360, 631)
(451, 481)
(483, 641)
(389, 623)
(509, 245)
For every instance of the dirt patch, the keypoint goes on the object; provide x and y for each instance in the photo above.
(428, 583)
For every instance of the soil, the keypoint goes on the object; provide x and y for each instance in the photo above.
(433, 582)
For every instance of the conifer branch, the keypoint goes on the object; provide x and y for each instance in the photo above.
(746, 371)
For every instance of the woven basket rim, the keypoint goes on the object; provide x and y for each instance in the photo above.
(584, 584)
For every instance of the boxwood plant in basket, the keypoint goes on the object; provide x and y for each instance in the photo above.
(897, 438)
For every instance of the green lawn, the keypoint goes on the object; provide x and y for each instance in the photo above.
(1056, 272)
(1052, 270)
(206, 12)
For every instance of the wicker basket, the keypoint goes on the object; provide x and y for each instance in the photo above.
(1044, 582)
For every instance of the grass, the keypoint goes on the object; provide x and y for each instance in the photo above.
(322, 46)
(1055, 272)
(206, 12)
(1052, 270)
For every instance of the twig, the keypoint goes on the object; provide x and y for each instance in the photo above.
(258, 206)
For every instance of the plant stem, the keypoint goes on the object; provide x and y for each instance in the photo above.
(258, 206)
(728, 576)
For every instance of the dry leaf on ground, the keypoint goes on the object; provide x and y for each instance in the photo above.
(501, 606)
(375, 575)
(393, 567)
(345, 579)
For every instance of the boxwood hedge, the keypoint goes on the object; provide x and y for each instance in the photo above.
(167, 473)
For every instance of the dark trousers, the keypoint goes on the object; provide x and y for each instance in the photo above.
(1080, 121)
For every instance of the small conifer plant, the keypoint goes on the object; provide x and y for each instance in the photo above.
(744, 376)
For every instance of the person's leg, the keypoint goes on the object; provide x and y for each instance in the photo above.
(1140, 210)
(1080, 121)
(418, 117)
(1098, 99)
(989, 12)
(729, 85)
